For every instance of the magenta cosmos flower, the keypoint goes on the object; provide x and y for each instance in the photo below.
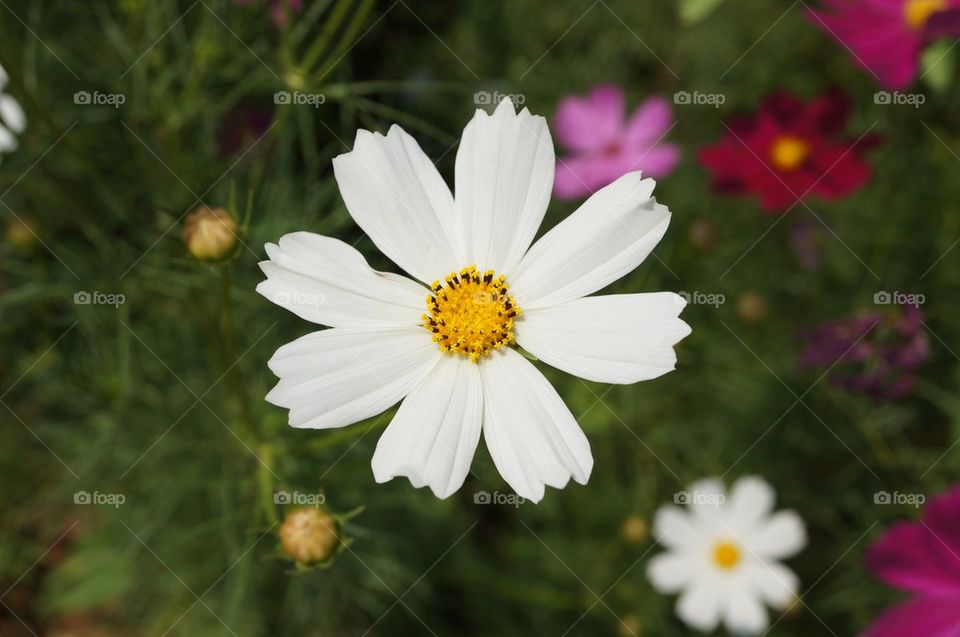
(604, 144)
(887, 36)
(789, 150)
(922, 558)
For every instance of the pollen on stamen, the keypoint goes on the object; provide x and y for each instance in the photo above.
(471, 313)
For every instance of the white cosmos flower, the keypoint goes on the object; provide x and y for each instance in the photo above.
(447, 350)
(13, 121)
(723, 555)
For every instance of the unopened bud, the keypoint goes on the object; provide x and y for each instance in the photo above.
(703, 234)
(635, 529)
(629, 626)
(752, 307)
(309, 535)
(21, 233)
(210, 234)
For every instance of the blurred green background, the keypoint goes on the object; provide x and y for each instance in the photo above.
(159, 399)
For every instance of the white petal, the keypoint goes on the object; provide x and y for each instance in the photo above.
(744, 614)
(3, 78)
(435, 433)
(751, 500)
(504, 177)
(700, 604)
(532, 436)
(670, 572)
(7, 141)
(340, 376)
(773, 581)
(707, 500)
(781, 535)
(621, 338)
(326, 281)
(673, 527)
(12, 114)
(607, 237)
(395, 194)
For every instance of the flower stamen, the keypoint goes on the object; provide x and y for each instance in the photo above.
(917, 12)
(726, 555)
(471, 313)
(789, 152)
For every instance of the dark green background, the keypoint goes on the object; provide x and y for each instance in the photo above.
(157, 400)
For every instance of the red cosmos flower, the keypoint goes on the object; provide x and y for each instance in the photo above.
(788, 151)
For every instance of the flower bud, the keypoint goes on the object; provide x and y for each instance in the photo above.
(629, 626)
(210, 234)
(309, 535)
(703, 234)
(21, 233)
(634, 529)
(752, 307)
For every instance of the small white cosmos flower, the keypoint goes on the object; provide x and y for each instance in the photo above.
(723, 555)
(446, 349)
(13, 121)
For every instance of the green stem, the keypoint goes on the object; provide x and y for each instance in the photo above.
(265, 486)
(265, 482)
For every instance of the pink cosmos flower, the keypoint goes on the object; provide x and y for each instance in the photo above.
(887, 36)
(922, 558)
(605, 144)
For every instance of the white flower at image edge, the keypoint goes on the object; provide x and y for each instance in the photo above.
(446, 348)
(723, 555)
(12, 119)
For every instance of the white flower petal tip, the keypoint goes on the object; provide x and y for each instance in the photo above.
(434, 435)
(340, 376)
(603, 240)
(326, 281)
(533, 438)
(722, 555)
(504, 178)
(398, 198)
(623, 338)
(13, 120)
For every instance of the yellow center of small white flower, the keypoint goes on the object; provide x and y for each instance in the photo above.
(726, 555)
(917, 12)
(471, 313)
(788, 152)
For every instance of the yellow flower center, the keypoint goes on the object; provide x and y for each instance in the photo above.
(788, 152)
(917, 12)
(471, 313)
(726, 555)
